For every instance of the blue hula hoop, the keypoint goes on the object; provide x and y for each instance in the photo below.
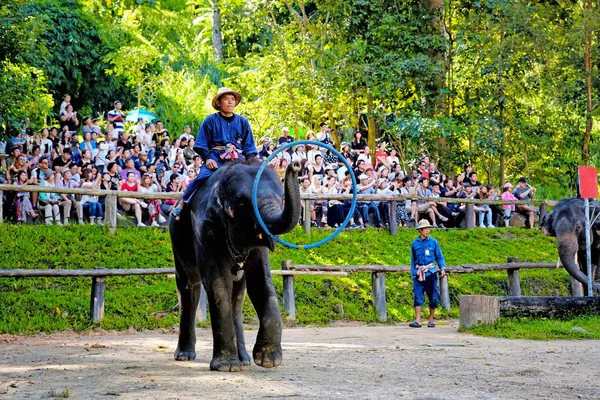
(255, 195)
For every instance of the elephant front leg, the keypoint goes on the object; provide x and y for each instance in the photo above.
(267, 351)
(188, 300)
(225, 353)
(238, 296)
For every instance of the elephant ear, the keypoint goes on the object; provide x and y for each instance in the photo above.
(218, 205)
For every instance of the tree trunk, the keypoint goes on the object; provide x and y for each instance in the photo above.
(589, 121)
(217, 39)
(371, 124)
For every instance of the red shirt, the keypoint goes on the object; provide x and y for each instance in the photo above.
(125, 186)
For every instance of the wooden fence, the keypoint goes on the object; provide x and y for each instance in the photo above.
(289, 271)
(110, 211)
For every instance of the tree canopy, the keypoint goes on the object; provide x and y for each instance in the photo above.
(509, 86)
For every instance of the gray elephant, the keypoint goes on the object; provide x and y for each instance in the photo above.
(218, 242)
(567, 223)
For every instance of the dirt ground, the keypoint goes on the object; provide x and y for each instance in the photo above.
(354, 361)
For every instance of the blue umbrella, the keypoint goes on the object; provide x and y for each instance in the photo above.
(146, 115)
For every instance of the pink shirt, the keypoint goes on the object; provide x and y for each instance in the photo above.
(508, 196)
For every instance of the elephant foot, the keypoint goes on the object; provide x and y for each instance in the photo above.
(244, 357)
(267, 355)
(226, 365)
(185, 355)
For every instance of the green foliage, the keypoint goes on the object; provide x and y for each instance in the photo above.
(541, 329)
(33, 305)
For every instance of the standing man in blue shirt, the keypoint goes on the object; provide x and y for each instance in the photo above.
(425, 252)
(223, 136)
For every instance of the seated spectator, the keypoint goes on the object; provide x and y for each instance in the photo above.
(367, 186)
(268, 149)
(280, 168)
(525, 192)
(330, 158)
(441, 207)
(366, 156)
(405, 211)
(356, 220)
(48, 202)
(508, 208)
(69, 201)
(285, 138)
(131, 185)
(46, 145)
(305, 189)
(358, 145)
(320, 206)
(423, 169)
(174, 185)
(393, 158)
(187, 133)
(483, 210)
(69, 119)
(312, 153)
(64, 161)
(189, 152)
(125, 142)
(19, 165)
(456, 209)
(88, 143)
(434, 174)
(23, 204)
(427, 207)
(91, 203)
(473, 181)
(146, 186)
(130, 167)
(142, 164)
(86, 160)
(299, 154)
(318, 168)
(381, 156)
(335, 210)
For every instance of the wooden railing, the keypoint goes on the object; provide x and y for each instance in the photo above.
(289, 271)
(112, 196)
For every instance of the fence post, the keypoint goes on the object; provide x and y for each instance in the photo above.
(289, 301)
(470, 216)
(97, 298)
(1, 210)
(378, 289)
(514, 283)
(444, 293)
(201, 314)
(543, 211)
(576, 287)
(111, 213)
(393, 221)
(307, 217)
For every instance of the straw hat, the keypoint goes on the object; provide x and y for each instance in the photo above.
(221, 92)
(423, 224)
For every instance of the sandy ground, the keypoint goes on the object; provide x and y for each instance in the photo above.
(346, 362)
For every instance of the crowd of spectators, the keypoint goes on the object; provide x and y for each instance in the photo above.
(103, 154)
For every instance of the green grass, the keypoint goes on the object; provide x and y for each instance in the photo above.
(32, 305)
(541, 329)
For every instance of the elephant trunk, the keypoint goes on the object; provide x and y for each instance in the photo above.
(567, 251)
(288, 218)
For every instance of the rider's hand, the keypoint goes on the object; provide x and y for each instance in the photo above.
(211, 164)
(443, 273)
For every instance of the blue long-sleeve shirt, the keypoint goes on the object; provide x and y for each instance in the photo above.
(424, 252)
(216, 130)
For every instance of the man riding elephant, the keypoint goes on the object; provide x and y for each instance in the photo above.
(219, 243)
(223, 136)
(567, 223)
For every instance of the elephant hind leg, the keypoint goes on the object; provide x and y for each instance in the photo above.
(237, 298)
(189, 296)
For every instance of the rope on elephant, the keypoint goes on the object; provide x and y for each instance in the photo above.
(342, 225)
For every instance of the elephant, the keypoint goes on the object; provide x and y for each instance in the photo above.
(567, 223)
(218, 242)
